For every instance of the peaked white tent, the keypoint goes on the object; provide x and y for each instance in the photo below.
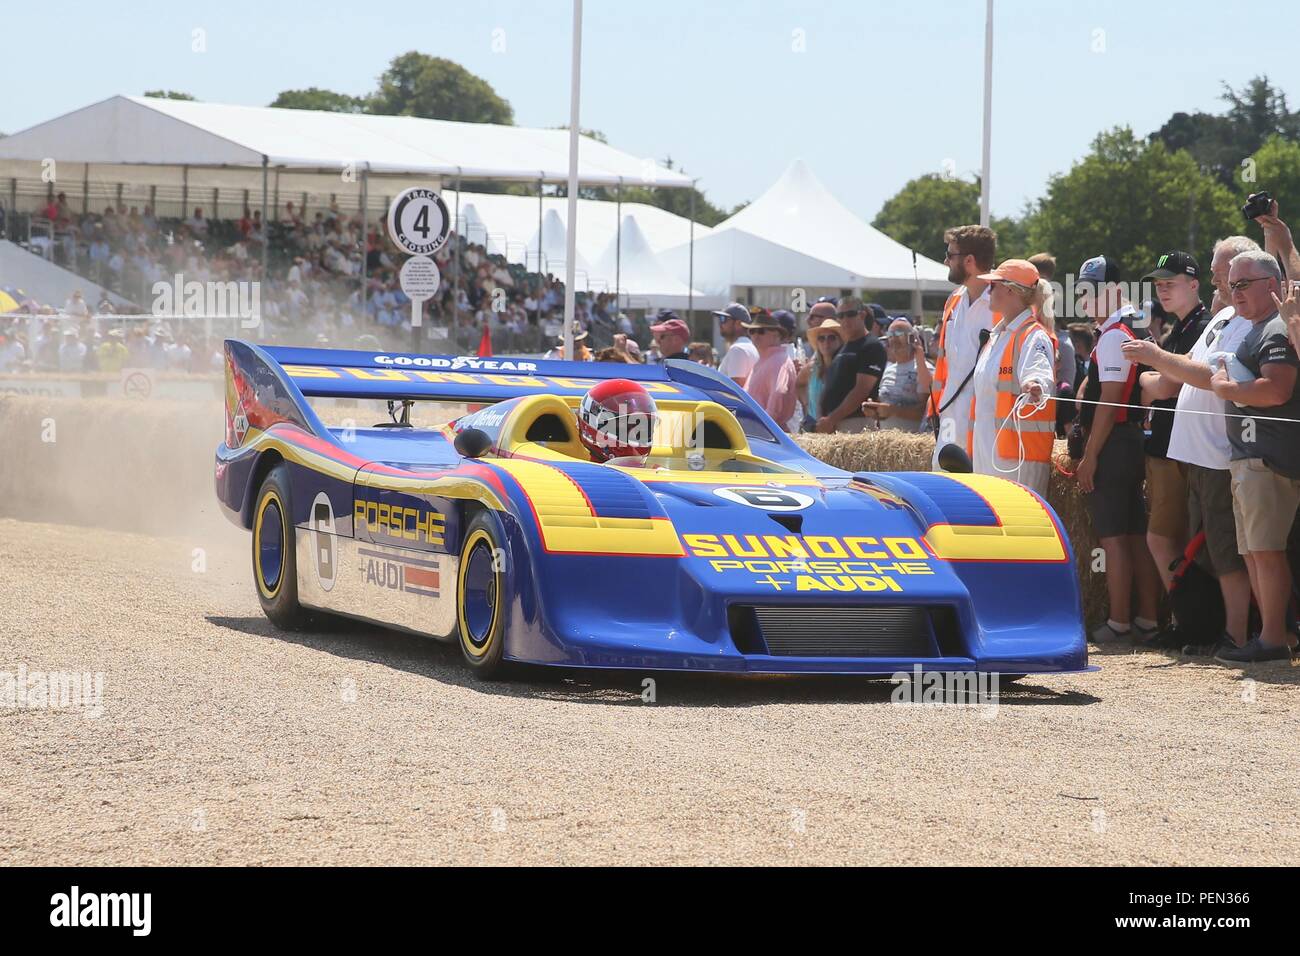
(643, 280)
(553, 241)
(798, 235)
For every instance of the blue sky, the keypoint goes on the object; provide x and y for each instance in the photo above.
(879, 93)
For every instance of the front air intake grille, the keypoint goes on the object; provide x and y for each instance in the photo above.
(803, 631)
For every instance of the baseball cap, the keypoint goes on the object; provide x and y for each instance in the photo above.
(1173, 264)
(877, 311)
(1098, 269)
(671, 324)
(1019, 272)
(785, 318)
(733, 311)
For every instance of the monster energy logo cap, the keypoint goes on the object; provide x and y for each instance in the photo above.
(1175, 264)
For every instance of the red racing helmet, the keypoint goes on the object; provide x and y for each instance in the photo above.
(617, 420)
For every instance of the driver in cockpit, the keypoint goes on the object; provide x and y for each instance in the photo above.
(616, 419)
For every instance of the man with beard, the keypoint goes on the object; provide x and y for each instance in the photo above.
(967, 318)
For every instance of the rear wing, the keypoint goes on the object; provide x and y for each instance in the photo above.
(339, 373)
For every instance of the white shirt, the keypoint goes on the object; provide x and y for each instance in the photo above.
(1112, 366)
(740, 359)
(1035, 363)
(961, 343)
(1203, 439)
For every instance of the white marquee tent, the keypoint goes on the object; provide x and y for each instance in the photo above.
(134, 130)
(643, 280)
(798, 235)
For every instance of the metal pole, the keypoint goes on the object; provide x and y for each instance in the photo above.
(539, 226)
(266, 226)
(571, 233)
(454, 322)
(365, 239)
(988, 113)
(618, 245)
(690, 274)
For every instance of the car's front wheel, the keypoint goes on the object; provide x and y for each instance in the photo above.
(481, 597)
(275, 566)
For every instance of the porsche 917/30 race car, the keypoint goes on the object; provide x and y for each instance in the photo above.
(728, 548)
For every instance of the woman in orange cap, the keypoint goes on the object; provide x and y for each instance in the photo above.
(1013, 424)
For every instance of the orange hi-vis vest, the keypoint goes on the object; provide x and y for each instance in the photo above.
(939, 380)
(1037, 429)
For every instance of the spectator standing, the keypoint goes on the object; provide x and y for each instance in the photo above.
(112, 352)
(905, 382)
(701, 352)
(1199, 439)
(1113, 466)
(826, 344)
(741, 355)
(967, 318)
(811, 372)
(1177, 277)
(854, 376)
(72, 353)
(772, 382)
(671, 336)
(1010, 435)
(789, 336)
(1265, 464)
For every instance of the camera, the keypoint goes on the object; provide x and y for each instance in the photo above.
(1257, 204)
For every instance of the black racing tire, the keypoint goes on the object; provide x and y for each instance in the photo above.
(275, 564)
(481, 598)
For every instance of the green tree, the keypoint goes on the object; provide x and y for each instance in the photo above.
(167, 95)
(918, 214)
(1132, 201)
(416, 84)
(314, 98)
(1277, 170)
(1220, 142)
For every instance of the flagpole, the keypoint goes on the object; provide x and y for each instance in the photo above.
(571, 233)
(988, 113)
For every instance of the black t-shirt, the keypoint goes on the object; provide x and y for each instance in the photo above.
(864, 356)
(1179, 340)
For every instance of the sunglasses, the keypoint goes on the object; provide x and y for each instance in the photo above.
(950, 254)
(1241, 284)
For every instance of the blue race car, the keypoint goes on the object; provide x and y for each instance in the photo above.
(728, 549)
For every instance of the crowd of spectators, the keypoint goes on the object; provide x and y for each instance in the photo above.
(1183, 426)
(328, 281)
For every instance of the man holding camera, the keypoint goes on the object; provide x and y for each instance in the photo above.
(1265, 466)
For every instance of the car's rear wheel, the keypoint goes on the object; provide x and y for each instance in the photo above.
(275, 565)
(481, 597)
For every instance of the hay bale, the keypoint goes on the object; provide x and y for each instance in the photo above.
(900, 451)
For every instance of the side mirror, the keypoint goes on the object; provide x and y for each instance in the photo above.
(472, 443)
(953, 459)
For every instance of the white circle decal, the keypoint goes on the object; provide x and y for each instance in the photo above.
(768, 499)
